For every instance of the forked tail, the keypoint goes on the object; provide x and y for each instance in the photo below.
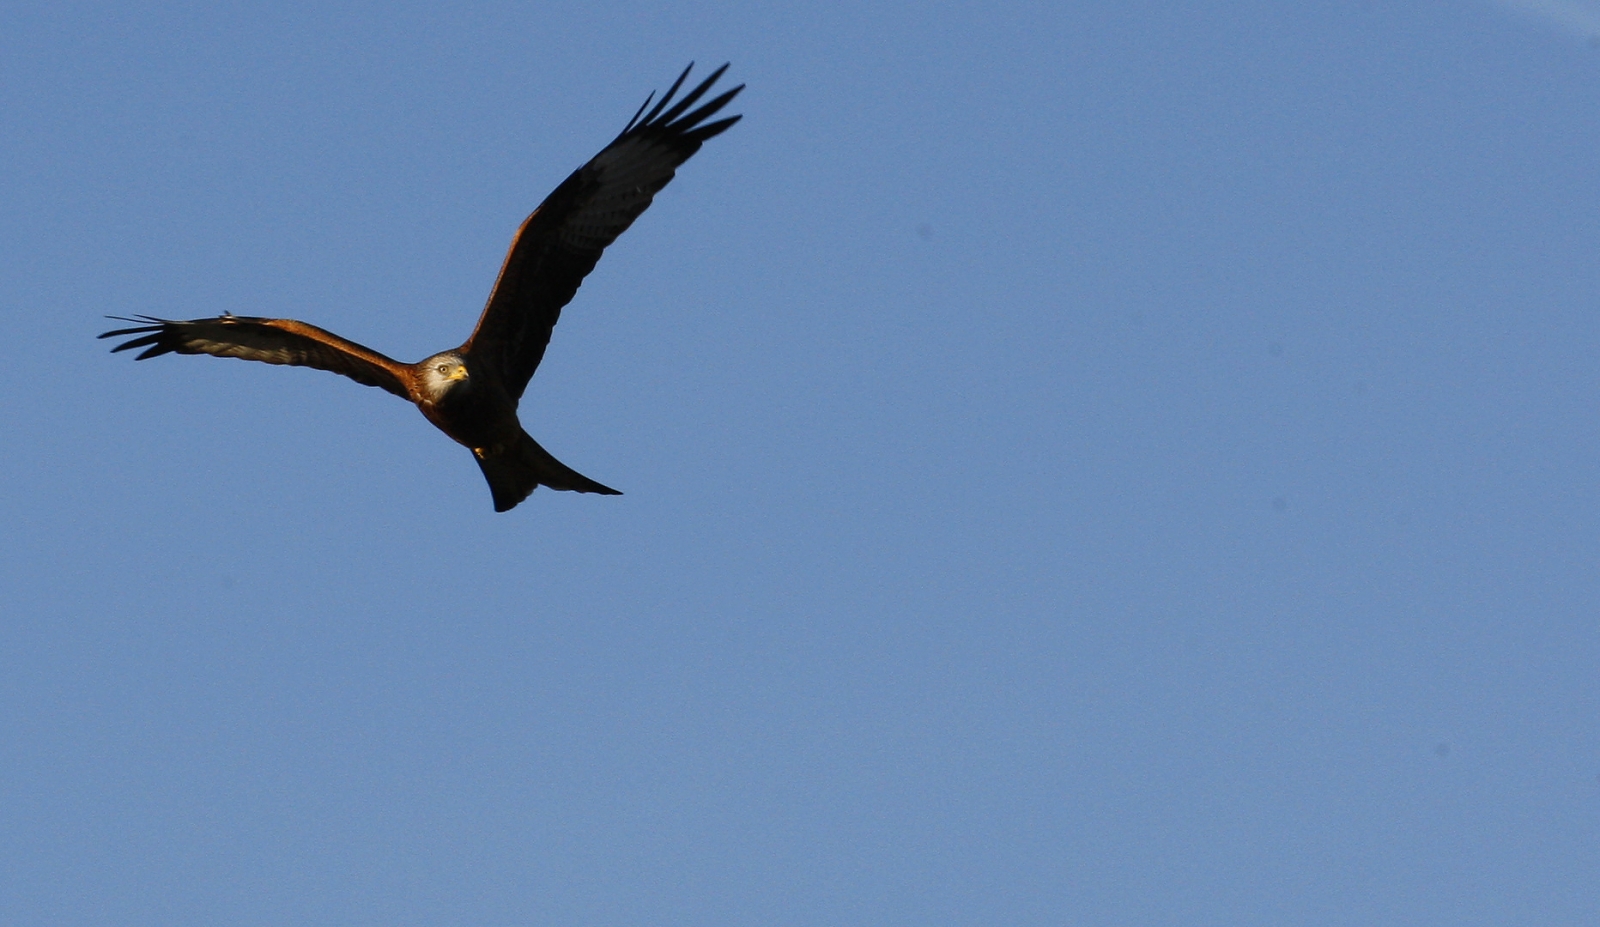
(515, 471)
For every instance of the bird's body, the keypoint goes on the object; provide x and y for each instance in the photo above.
(471, 393)
(475, 411)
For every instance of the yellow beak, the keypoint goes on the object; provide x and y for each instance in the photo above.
(460, 373)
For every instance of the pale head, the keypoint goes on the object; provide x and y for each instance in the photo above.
(443, 372)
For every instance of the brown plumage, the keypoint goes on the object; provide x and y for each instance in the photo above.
(471, 393)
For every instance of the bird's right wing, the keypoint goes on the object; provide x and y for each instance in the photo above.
(271, 341)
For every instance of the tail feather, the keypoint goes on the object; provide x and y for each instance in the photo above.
(517, 470)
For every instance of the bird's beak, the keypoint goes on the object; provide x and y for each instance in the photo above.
(460, 373)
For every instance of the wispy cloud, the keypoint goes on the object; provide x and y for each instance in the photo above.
(1581, 17)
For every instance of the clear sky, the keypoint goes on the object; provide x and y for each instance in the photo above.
(1085, 464)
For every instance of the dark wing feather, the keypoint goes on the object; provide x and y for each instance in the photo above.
(558, 245)
(271, 341)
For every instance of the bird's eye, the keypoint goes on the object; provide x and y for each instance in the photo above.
(443, 367)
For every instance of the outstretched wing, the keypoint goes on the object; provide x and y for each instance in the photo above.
(558, 245)
(271, 341)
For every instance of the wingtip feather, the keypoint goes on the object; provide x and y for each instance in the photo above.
(137, 342)
(711, 108)
(635, 120)
(667, 97)
(693, 95)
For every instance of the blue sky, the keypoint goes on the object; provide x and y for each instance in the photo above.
(1102, 464)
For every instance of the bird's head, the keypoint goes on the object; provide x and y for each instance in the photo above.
(442, 373)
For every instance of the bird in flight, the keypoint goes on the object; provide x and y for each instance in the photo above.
(470, 393)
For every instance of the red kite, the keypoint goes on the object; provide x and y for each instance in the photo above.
(471, 393)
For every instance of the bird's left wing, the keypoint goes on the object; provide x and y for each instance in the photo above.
(558, 245)
(271, 341)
